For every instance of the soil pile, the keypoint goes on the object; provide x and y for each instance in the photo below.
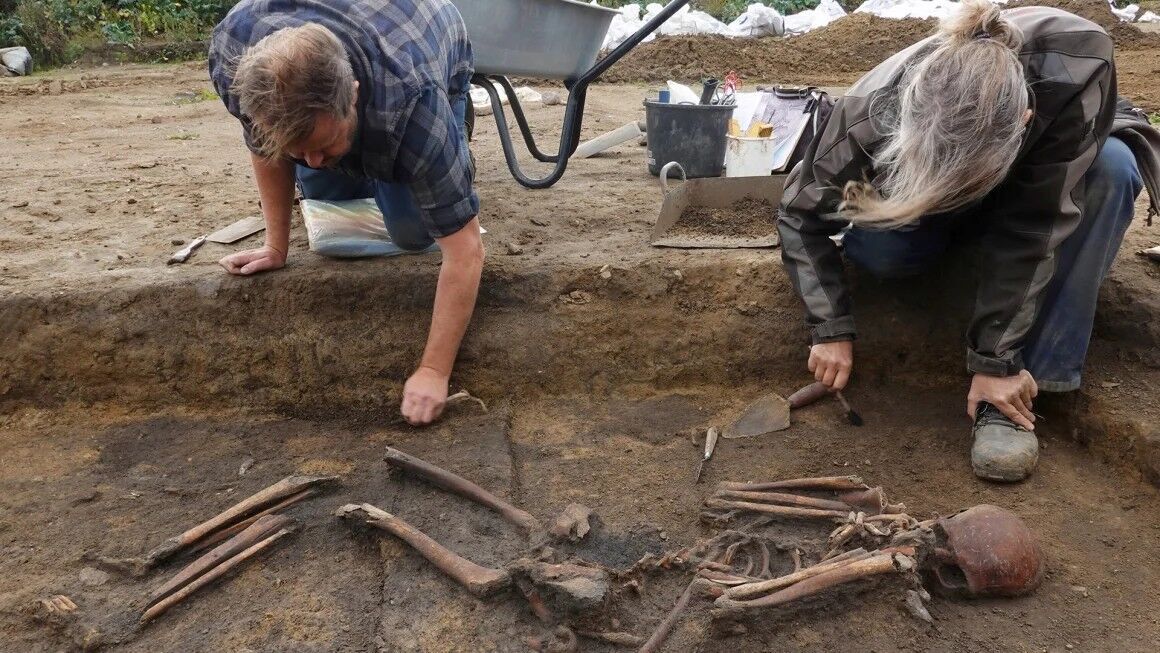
(833, 55)
(1125, 35)
(749, 218)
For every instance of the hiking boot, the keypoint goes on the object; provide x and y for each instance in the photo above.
(1003, 451)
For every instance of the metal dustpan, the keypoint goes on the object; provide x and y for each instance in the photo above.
(713, 192)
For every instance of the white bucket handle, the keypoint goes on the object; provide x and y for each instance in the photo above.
(665, 176)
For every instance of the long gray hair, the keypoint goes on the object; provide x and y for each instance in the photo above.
(958, 126)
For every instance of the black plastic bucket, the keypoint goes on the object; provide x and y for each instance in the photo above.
(693, 135)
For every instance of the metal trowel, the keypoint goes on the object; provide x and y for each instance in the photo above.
(768, 414)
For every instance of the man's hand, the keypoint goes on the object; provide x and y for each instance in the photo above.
(832, 362)
(254, 260)
(424, 396)
(1012, 395)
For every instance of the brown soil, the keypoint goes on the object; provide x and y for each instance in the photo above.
(834, 55)
(749, 218)
(131, 392)
(839, 53)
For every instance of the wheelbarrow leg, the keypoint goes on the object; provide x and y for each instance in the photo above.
(522, 121)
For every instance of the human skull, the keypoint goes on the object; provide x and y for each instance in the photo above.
(986, 551)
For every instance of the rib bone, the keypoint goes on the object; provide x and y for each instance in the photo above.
(454, 483)
(480, 581)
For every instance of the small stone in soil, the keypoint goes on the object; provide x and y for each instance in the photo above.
(177, 241)
(514, 249)
(20, 205)
(539, 223)
(93, 577)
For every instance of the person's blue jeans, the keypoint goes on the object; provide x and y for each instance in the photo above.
(397, 203)
(1057, 344)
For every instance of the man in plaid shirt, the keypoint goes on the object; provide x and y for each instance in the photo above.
(355, 99)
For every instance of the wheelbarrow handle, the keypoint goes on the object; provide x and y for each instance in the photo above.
(664, 176)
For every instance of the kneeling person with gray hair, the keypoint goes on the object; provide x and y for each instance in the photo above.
(353, 99)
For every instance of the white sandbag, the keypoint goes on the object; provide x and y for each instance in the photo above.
(1148, 17)
(624, 24)
(17, 60)
(825, 13)
(908, 8)
(686, 22)
(1127, 14)
(758, 20)
(481, 101)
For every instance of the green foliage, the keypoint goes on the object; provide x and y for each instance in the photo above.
(1154, 118)
(56, 31)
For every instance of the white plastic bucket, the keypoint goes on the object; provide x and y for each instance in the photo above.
(748, 156)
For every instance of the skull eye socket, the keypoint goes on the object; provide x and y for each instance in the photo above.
(951, 576)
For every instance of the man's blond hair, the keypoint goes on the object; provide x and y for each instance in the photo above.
(285, 80)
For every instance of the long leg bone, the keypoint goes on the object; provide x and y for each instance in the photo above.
(244, 540)
(480, 581)
(878, 564)
(785, 499)
(454, 483)
(231, 531)
(767, 586)
(819, 483)
(213, 574)
(785, 511)
(286, 487)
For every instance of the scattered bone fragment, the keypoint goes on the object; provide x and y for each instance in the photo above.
(916, 607)
(59, 604)
(614, 638)
(457, 484)
(480, 581)
(214, 573)
(464, 395)
(573, 523)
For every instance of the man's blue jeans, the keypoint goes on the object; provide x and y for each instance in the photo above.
(1057, 344)
(400, 212)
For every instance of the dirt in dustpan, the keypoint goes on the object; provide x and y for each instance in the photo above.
(750, 218)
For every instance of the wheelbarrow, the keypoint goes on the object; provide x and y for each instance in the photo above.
(545, 39)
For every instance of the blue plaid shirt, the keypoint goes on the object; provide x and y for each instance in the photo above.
(412, 59)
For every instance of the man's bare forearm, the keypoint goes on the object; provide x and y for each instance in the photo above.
(276, 189)
(455, 297)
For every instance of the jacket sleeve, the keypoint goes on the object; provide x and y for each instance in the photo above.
(808, 218)
(1029, 216)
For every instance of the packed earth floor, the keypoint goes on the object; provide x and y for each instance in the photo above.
(133, 396)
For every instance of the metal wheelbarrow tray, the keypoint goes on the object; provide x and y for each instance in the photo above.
(550, 39)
